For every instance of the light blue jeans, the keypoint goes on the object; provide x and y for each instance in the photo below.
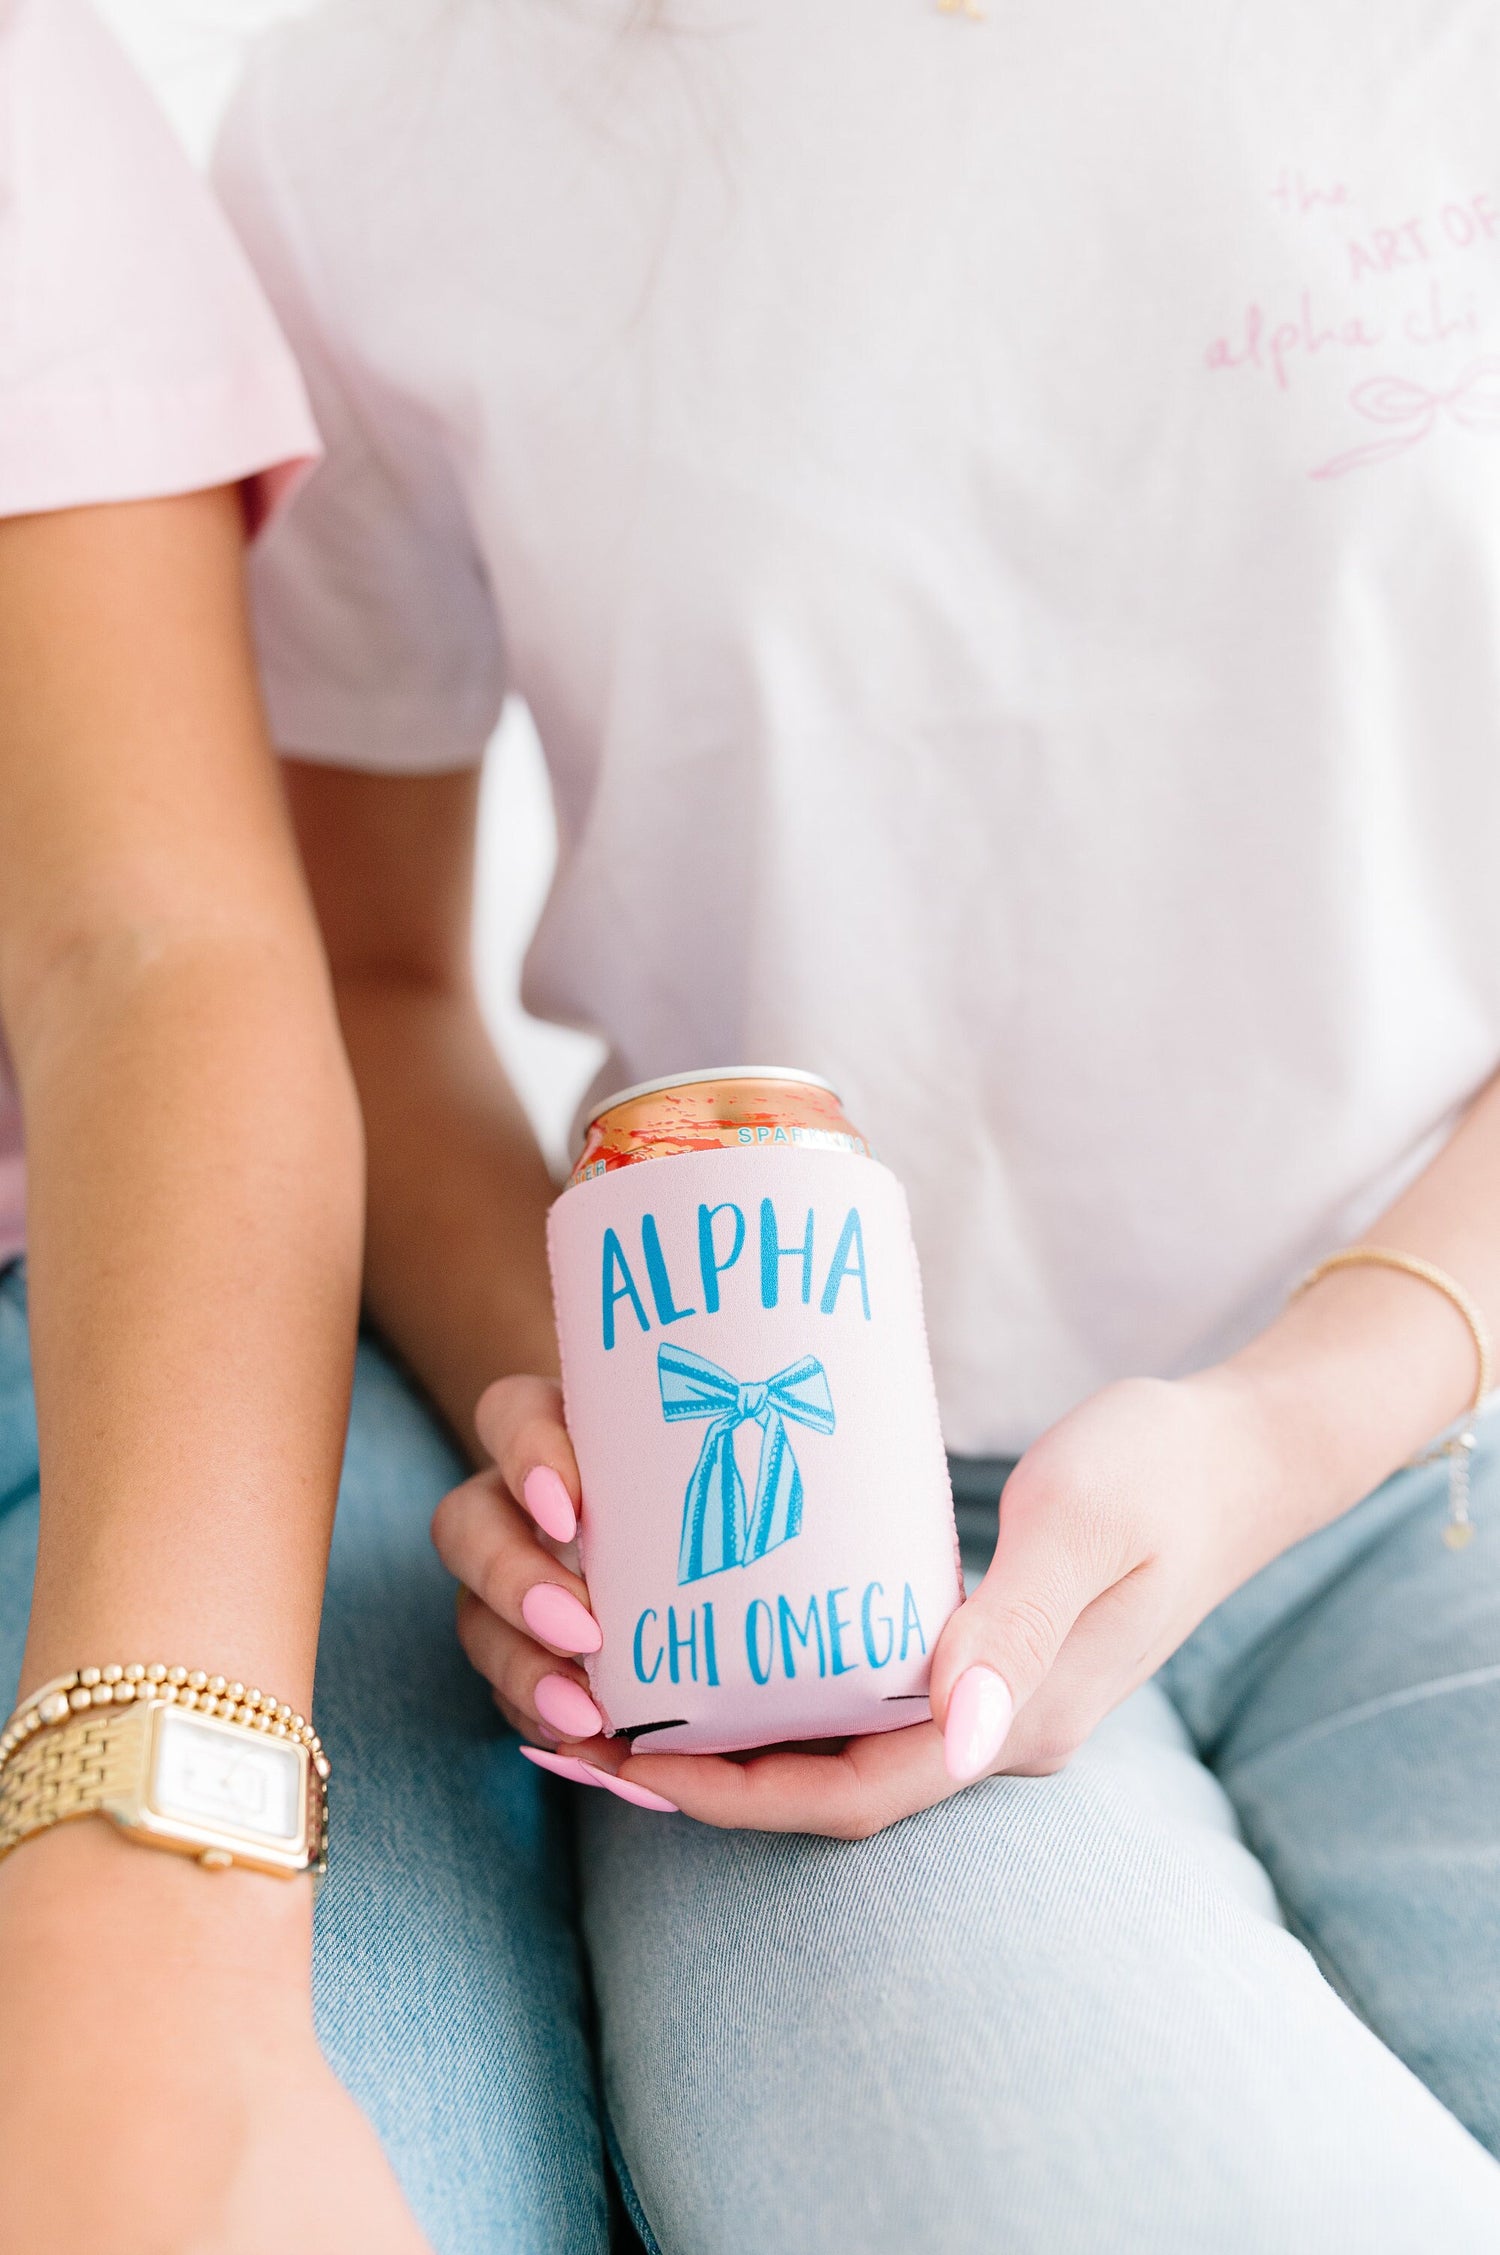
(1159, 2005)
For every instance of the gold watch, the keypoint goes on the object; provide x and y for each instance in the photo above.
(177, 1760)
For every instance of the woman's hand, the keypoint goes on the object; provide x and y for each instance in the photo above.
(507, 1534)
(1121, 1528)
(523, 1611)
(161, 2088)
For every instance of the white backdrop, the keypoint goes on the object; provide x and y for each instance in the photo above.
(189, 51)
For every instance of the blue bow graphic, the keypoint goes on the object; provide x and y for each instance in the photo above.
(715, 1532)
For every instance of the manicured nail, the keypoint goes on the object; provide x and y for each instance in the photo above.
(556, 1616)
(567, 1708)
(639, 1796)
(549, 1503)
(564, 1765)
(979, 1716)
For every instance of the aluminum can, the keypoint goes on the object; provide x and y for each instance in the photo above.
(765, 1106)
(767, 1525)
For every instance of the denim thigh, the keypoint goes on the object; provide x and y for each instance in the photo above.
(1348, 1699)
(1048, 2015)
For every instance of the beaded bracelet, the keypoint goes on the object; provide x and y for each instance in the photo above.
(185, 1687)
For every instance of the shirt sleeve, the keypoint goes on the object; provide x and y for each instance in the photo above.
(137, 355)
(379, 643)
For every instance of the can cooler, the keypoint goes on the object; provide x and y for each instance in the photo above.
(767, 1524)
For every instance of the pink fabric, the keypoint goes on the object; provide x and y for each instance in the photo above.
(137, 355)
(828, 1628)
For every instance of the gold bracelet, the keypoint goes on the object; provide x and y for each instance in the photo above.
(1459, 1447)
(175, 1758)
(191, 1688)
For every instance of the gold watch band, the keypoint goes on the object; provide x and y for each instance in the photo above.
(188, 1765)
(65, 1772)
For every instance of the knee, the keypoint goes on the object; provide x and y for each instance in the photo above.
(759, 1994)
(1012, 1869)
(876, 1957)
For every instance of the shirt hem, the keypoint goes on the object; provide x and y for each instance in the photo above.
(388, 737)
(87, 446)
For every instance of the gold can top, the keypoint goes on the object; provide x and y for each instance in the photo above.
(668, 1081)
(763, 1105)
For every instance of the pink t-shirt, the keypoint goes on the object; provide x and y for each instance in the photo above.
(137, 355)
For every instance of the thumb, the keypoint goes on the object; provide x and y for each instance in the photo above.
(999, 1647)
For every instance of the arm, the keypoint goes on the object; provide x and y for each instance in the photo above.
(1123, 1526)
(193, 1154)
(1348, 1384)
(194, 1193)
(456, 1271)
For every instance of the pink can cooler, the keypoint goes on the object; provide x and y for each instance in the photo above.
(767, 1526)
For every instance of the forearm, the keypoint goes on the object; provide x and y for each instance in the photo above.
(193, 1149)
(193, 1247)
(456, 1271)
(1356, 1376)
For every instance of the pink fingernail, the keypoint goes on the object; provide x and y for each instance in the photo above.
(639, 1796)
(556, 1616)
(979, 1717)
(550, 1505)
(567, 1707)
(564, 1765)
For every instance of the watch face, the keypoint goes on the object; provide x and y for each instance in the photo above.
(206, 1774)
